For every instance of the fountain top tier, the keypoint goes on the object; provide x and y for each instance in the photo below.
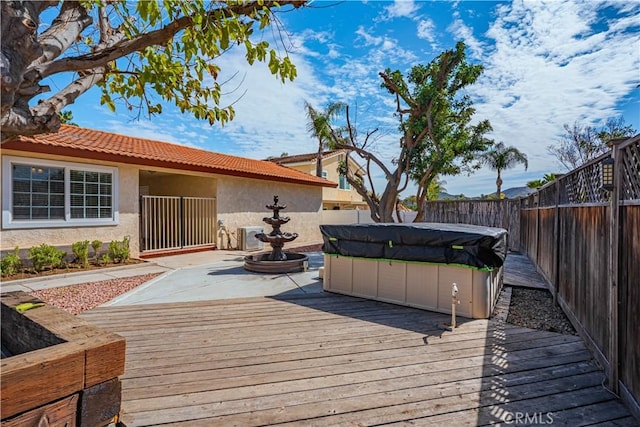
(276, 218)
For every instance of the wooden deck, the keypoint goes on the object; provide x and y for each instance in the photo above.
(334, 360)
(520, 271)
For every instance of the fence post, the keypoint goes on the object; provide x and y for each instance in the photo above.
(614, 239)
(182, 225)
(556, 279)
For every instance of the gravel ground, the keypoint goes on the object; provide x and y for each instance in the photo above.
(78, 298)
(534, 308)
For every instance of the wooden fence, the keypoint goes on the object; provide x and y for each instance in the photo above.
(586, 242)
(491, 213)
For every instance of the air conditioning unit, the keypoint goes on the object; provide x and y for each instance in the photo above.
(247, 238)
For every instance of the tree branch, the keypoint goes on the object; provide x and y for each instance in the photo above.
(63, 32)
(395, 89)
(158, 37)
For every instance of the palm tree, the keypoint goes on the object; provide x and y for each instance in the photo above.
(436, 186)
(501, 157)
(319, 126)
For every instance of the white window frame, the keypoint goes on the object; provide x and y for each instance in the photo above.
(7, 195)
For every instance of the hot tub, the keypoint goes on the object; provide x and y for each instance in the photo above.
(417, 264)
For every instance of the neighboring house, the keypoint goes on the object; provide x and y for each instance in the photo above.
(342, 197)
(83, 184)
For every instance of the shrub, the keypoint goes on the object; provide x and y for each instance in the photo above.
(81, 251)
(119, 251)
(44, 256)
(96, 245)
(11, 264)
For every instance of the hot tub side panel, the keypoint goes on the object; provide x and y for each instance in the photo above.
(420, 285)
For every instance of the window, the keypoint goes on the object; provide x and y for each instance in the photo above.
(90, 194)
(38, 192)
(324, 174)
(41, 193)
(343, 184)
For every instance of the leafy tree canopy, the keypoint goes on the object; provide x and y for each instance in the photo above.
(132, 50)
(436, 134)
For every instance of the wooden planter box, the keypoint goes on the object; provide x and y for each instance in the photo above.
(61, 370)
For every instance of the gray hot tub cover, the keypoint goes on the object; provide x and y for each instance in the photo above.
(472, 245)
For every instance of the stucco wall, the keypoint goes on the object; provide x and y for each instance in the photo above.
(241, 202)
(128, 224)
(329, 195)
(161, 184)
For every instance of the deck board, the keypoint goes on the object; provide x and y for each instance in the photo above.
(520, 271)
(335, 360)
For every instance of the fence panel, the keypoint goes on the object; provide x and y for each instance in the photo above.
(546, 243)
(584, 267)
(629, 285)
(491, 213)
(199, 215)
(160, 223)
(173, 222)
(529, 232)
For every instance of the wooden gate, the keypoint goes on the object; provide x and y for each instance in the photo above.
(170, 222)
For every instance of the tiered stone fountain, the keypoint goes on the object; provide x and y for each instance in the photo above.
(277, 261)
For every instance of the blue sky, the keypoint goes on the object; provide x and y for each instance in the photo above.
(547, 63)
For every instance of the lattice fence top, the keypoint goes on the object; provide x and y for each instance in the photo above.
(584, 184)
(630, 171)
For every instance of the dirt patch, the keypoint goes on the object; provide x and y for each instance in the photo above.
(27, 273)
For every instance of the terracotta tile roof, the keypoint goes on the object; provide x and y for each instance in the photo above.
(311, 157)
(307, 157)
(86, 143)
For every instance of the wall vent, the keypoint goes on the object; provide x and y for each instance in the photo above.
(247, 238)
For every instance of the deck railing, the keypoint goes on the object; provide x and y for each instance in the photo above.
(169, 222)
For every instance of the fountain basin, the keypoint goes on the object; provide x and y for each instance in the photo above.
(260, 263)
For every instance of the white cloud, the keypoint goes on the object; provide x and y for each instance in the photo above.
(426, 30)
(465, 33)
(369, 40)
(550, 67)
(401, 9)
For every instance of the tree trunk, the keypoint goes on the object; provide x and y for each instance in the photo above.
(387, 205)
(498, 186)
(319, 161)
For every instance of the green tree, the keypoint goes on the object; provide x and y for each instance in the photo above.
(436, 137)
(501, 157)
(66, 118)
(319, 126)
(537, 183)
(131, 50)
(436, 187)
(582, 143)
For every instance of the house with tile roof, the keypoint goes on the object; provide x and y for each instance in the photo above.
(343, 196)
(85, 184)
